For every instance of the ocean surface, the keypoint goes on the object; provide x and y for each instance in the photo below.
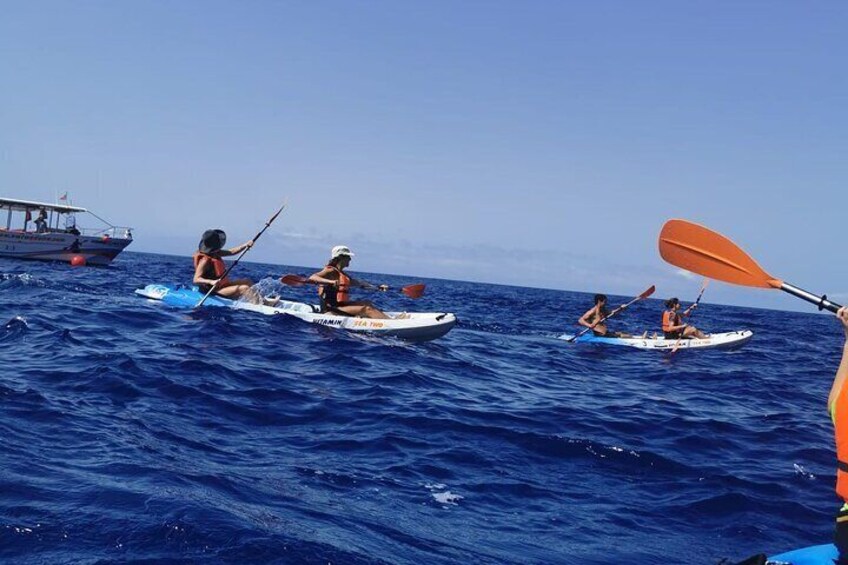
(133, 432)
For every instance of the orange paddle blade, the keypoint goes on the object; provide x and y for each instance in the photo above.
(648, 292)
(413, 290)
(294, 280)
(700, 250)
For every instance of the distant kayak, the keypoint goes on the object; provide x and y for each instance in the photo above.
(726, 340)
(815, 555)
(416, 326)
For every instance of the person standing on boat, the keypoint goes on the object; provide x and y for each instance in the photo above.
(672, 322)
(837, 406)
(335, 286)
(209, 267)
(595, 316)
(41, 221)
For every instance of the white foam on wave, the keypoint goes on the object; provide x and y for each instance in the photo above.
(442, 496)
(799, 470)
(16, 321)
(24, 278)
(447, 498)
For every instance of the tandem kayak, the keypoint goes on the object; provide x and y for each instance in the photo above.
(727, 340)
(815, 555)
(415, 326)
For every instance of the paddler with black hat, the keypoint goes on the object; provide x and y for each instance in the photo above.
(209, 267)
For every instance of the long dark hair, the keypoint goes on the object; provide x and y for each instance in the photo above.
(601, 298)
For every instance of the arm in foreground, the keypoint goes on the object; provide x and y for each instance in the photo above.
(842, 371)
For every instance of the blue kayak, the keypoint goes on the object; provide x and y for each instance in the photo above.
(814, 555)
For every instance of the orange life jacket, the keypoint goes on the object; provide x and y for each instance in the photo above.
(342, 291)
(670, 318)
(839, 413)
(218, 266)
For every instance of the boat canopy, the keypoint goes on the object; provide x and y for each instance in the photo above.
(24, 205)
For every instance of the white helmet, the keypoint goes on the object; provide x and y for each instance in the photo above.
(340, 250)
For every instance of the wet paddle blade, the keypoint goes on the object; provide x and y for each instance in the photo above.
(413, 290)
(700, 250)
(294, 280)
(648, 292)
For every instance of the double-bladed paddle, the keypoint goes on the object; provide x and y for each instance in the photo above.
(642, 296)
(700, 250)
(412, 290)
(234, 263)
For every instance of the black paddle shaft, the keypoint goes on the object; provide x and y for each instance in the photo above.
(821, 301)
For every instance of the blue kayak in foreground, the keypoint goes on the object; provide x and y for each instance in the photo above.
(414, 326)
(814, 555)
(727, 340)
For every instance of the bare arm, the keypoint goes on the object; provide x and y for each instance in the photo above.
(321, 276)
(236, 250)
(842, 371)
(198, 273)
(584, 319)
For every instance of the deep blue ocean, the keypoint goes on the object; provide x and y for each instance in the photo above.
(133, 432)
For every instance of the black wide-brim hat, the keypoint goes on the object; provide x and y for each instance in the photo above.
(212, 241)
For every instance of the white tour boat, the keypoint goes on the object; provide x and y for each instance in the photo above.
(49, 232)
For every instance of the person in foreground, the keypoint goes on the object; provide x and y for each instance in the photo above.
(837, 405)
(672, 322)
(209, 267)
(595, 316)
(335, 284)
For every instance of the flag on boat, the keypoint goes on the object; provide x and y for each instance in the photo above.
(64, 197)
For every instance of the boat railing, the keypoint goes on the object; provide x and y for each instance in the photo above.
(117, 232)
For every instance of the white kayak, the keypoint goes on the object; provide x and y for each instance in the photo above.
(415, 326)
(727, 340)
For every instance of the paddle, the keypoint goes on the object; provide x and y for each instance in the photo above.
(703, 251)
(642, 296)
(697, 301)
(412, 290)
(234, 263)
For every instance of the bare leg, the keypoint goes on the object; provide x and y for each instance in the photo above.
(692, 331)
(363, 309)
(235, 291)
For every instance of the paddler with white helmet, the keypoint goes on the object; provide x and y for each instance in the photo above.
(335, 284)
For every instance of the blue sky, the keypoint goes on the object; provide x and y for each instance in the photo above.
(531, 143)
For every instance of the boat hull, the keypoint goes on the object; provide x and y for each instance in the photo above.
(418, 326)
(727, 340)
(60, 246)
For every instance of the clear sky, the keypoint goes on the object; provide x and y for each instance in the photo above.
(523, 142)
